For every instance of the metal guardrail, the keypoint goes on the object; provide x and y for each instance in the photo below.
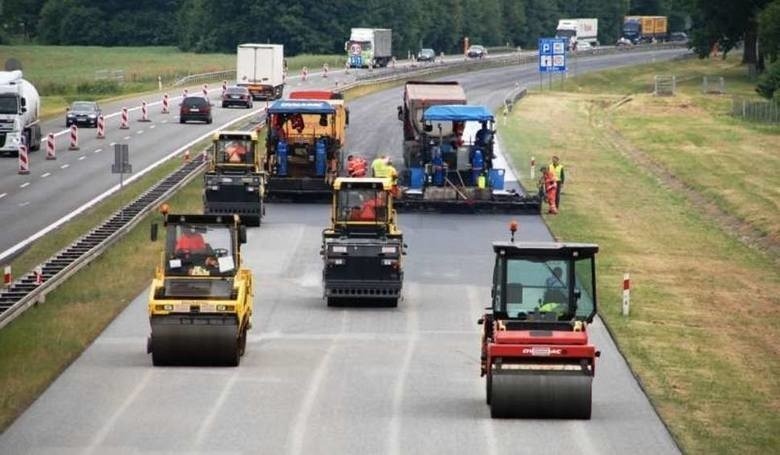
(216, 75)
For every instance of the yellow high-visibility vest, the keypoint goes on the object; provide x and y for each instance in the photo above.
(556, 171)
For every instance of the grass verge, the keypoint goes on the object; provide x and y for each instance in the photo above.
(701, 335)
(63, 74)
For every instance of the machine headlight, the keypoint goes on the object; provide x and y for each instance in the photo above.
(388, 261)
(389, 250)
(338, 249)
(92, 116)
(227, 180)
(71, 114)
(339, 261)
(250, 189)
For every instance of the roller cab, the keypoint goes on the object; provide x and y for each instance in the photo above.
(234, 182)
(363, 248)
(536, 356)
(200, 302)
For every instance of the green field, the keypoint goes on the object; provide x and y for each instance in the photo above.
(66, 73)
(685, 198)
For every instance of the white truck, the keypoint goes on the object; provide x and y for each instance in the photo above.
(369, 47)
(260, 68)
(20, 106)
(578, 30)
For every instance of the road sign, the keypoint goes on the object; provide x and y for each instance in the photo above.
(552, 55)
(121, 160)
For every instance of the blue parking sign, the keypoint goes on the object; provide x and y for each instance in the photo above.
(552, 55)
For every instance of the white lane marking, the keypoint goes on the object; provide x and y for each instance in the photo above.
(127, 138)
(297, 435)
(98, 150)
(24, 204)
(413, 328)
(46, 175)
(24, 185)
(165, 121)
(82, 157)
(111, 144)
(476, 309)
(3, 195)
(65, 166)
(139, 132)
(151, 127)
(103, 433)
(115, 188)
(205, 426)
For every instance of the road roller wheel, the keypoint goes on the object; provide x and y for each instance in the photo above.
(541, 395)
(335, 302)
(242, 342)
(488, 386)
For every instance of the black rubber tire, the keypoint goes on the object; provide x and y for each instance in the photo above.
(488, 386)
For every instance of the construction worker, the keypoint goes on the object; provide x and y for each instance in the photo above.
(548, 187)
(392, 174)
(235, 152)
(378, 166)
(356, 166)
(557, 172)
(190, 241)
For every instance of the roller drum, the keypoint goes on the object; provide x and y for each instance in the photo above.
(187, 340)
(540, 395)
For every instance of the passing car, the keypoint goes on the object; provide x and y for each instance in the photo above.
(195, 108)
(82, 113)
(623, 41)
(237, 96)
(426, 55)
(681, 37)
(476, 51)
(582, 46)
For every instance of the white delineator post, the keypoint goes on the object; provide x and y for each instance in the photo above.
(101, 127)
(205, 90)
(165, 103)
(50, 147)
(74, 138)
(304, 73)
(626, 294)
(224, 87)
(533, 167)
(184, 93)
(38, 275)
(124, 120)
(325, 70)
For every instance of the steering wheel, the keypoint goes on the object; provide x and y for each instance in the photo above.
(221, 252)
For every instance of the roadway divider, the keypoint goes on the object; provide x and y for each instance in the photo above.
(51, 147)
(101, 127)
(165, 104)
(124, 122)
(74, 138)
(24, 160)
(144, 113)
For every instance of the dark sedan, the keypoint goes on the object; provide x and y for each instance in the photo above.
(237, 96)
(82, 113)
(476, 51)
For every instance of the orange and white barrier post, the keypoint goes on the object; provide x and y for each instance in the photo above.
(124, 120)
(533, 167)
(8, 277)
(50, 147)
(165, 104)
(205, 90)
(626, 294)
(144, 113)
(24, 161)
(101, 127)
(74, 138)
(38, 275)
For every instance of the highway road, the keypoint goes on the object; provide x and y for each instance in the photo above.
(354, 380)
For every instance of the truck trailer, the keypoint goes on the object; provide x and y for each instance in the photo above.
(369, 47)
(578, 30)
(19, 109)
(260, 68)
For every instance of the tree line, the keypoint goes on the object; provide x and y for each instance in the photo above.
(317, 27)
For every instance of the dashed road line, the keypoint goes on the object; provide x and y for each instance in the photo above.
(24, 185)
(82, 157)
(22, 204)
(46, 175)
(111, 144)
(97, 151)
(65, 166)
(139, 132)
(151, 127)
(3, 195)
(165, 121)
(127, 138)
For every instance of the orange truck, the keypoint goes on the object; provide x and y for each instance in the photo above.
(645, 29)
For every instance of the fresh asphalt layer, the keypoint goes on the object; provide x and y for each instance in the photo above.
(352, 380)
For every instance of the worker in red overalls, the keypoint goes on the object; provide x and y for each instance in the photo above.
(356, 166)
(549, 187)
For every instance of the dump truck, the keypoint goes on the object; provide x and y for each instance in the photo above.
(369, 47)
(645, 29)
(578, 30)
(451, 166)
(536, 356)
(418, 96)
(19, 113)
(200, 301)
(363, 248)
(303, 148)
(234, 181)
(260, 68)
